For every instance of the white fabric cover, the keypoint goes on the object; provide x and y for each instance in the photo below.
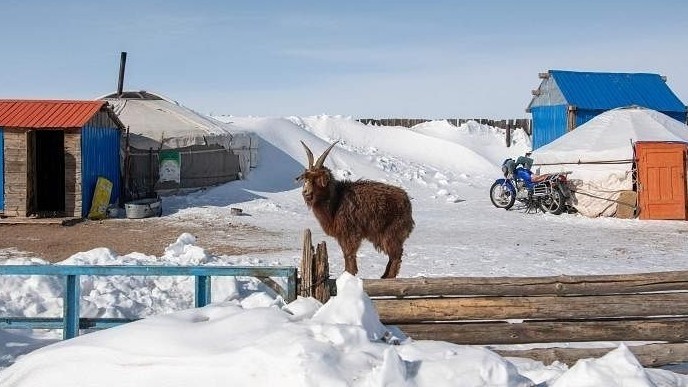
(606, 139)
(153, 123)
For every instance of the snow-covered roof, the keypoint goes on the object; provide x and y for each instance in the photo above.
(610, 136)
(160, 121)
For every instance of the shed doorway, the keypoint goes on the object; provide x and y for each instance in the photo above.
(46, 173)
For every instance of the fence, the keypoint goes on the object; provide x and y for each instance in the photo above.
(491, 311)
(513, 123)
(503, 311)
(71, 321)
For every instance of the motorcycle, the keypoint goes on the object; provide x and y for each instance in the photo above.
(549, 193)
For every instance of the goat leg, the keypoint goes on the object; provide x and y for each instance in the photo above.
(350, 248)
(394, 263)
(350, 264)
(392, 269)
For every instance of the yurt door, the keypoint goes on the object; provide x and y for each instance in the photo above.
(661, 180)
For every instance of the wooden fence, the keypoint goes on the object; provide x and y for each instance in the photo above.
(499, 312)
(513, 123)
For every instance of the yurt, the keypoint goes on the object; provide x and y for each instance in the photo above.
(172, 148)
(602, 158)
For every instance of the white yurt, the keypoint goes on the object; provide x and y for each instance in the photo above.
(600, 155)
(172, 148)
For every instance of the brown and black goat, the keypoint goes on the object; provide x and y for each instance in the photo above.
(351, 211)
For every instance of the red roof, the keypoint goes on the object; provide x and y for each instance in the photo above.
(47, 113)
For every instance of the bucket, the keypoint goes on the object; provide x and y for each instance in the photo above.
(143, 208)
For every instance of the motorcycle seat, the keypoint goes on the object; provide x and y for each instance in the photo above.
(539, 178)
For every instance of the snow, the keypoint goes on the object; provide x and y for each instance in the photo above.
(249, 336)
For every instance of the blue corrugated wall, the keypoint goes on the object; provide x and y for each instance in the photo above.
(99, 157)
(2, 169)
(583, 116)
(678, 116)
(549, 123)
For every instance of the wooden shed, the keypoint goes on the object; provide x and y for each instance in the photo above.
(662, 179)
(52, 153)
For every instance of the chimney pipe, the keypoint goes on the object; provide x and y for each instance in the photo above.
(122, 64)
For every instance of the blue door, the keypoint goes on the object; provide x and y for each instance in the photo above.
(99, 158)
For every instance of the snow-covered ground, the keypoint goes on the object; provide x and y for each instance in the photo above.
(250, 338)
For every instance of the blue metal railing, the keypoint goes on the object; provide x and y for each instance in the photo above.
(71, 321)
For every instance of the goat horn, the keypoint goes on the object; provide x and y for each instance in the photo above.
(322, 157)
(309, 154)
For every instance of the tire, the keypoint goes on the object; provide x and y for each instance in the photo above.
(555, 203)
(502, 195)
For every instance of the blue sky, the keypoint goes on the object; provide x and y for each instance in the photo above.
(426, 59)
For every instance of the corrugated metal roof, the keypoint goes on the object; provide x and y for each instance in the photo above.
(47, 113)
(603, 91)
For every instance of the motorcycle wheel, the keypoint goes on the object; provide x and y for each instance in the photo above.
(501, 196)
(554, 203)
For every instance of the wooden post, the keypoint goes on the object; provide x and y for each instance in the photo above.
(151, 183)
(315, 270)
(306, 266)
(321, 290)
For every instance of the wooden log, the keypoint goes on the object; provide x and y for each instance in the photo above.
(483, 333)
(521, 286)
(272, 284)
(545, 307)
(306, 288)
(315, 270)
(321, 285)
(649, 355)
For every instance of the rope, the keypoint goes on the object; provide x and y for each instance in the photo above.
(314, 284)
(609, 200)
(591, 162)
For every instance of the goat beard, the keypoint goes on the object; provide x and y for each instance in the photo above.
(310, 202)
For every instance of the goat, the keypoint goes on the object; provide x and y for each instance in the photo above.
(351, 211)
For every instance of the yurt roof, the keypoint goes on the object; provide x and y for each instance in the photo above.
(609, 137)
(156, 121)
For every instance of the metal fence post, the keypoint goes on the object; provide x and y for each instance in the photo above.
(202, 297)
(71, 307)
(291, 286)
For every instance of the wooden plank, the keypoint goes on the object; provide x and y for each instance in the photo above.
(15, 166)
(649, 355)
(545, 307)
(14, 139)
(483, 333)
(518, 286)
(15, 181)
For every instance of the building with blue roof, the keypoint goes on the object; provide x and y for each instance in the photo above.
(567, 99)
